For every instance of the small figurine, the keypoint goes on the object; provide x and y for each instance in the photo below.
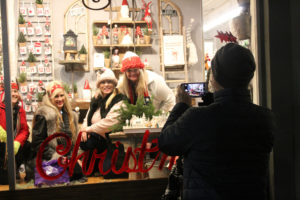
(138, 34)
(147, 17)
(104, 34)
(124, 10)
(116, 57)
(127, 40)
(86, 93)
(206, 60)
(115, 34)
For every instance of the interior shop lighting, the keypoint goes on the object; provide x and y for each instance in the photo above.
(222, 18)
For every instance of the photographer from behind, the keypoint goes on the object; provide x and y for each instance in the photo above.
(226, 145)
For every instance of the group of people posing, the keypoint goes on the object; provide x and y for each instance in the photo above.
(55, 114)
(224, 147)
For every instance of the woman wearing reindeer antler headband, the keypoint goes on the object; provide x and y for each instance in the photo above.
(55, 116)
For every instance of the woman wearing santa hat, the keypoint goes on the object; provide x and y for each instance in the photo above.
(138, 82)
(21, 133)
(53, 116)
(102, 114)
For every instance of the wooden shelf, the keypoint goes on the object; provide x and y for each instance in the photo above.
(73, 65)
(123, 45)
(118, 8)
(102, 45)
(101, 22)
(82, 104)
(65, 62)
(119, 22)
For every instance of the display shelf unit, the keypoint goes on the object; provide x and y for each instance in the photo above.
(129, 25)
(38, 34)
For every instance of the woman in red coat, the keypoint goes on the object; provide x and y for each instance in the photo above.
(21, 133)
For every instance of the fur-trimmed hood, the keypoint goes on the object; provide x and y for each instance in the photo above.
(50, 116)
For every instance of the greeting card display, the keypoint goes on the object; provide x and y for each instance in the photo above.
(23, 69)
(27, 108)
(38, 48)
(41, 85)
(48, 69)
(30, 29)
(40, 12)
(31, 11)
(37, 15)
(41, 68)
(23, 89)
(34, 106)
(23, 30)
(32, 69)
(38, 30)
(23, 50)
(23, 10)
(48, 50)
(47, 11)
(32, 87)
(31, 48)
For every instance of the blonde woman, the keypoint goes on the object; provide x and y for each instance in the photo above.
(103, 113)
(138, 82)
(55, 115)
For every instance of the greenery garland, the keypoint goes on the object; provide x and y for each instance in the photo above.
(126, 112)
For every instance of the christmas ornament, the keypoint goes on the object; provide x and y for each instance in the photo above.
(226, 37)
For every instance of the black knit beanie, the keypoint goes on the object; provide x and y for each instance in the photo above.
(233, 66)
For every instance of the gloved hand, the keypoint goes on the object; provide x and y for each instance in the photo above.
(182, 96)
(16, 146)
(2, 134)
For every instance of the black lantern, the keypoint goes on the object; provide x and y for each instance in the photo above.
(70, 41)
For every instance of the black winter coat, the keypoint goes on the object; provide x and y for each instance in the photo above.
(226, 146)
